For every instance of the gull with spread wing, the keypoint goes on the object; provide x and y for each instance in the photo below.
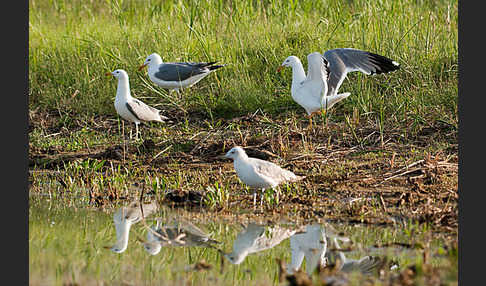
(337, 63)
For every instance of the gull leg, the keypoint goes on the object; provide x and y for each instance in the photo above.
(136, 131)
(310, 121)
(261, 199)
(254, 200)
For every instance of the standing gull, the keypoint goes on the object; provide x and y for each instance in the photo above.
(125, 217)
(130, 108)
(180, 233)
(338, 63)
(174, 76)
(257, 173)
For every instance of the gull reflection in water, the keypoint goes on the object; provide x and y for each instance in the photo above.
(255, 238)
(125, 217)
(179, 233)
(366, 264)
(319, 246)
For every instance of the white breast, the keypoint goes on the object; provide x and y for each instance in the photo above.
(122, 110)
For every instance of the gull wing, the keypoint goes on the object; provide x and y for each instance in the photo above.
(180, 71)
(142, 111)
(272, 171)
(345, 60)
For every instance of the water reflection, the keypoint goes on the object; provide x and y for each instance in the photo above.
(319, 244)
(255, 238)
(125, 217)
(179, 233)
(366, 264)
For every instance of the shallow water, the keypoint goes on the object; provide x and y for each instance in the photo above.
(70, 241)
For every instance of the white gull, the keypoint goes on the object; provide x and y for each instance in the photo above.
(337, 64)
(257, 173)
(130, 108)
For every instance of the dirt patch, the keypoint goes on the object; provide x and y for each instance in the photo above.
(360, 175)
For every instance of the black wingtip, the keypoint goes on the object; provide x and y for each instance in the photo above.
(383, 64)
(215, 67)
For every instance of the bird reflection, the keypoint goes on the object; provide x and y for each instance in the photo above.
(255, 238)
(179, 233)
(125, 217)
(366, 264)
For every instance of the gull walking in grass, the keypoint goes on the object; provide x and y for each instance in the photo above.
(176, 75)
(257, 173)
(180, 233)
(255, 238)
(130, 108)
(125, 217)
(317, 97)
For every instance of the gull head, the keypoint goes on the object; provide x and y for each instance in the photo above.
(118, 249)
(235, 258)
(150, 60)
(236, 152)
(119, 74)
(152, 247)
(288, 62)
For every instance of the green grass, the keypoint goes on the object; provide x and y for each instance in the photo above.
(73, 43)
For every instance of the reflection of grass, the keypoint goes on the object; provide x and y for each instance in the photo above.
(67, 245)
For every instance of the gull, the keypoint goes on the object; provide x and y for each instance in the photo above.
(176, 75)
(311, 244)
(125, 217)
(337, 64)
(130, 108)
(257, 173)
(180, 233)
(255, 238)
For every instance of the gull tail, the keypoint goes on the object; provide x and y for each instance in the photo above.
(297, 178)
(214, 67)
(329, 101)
(162, 118)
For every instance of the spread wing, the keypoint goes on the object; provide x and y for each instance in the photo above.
(315, 83)
(344, 60)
